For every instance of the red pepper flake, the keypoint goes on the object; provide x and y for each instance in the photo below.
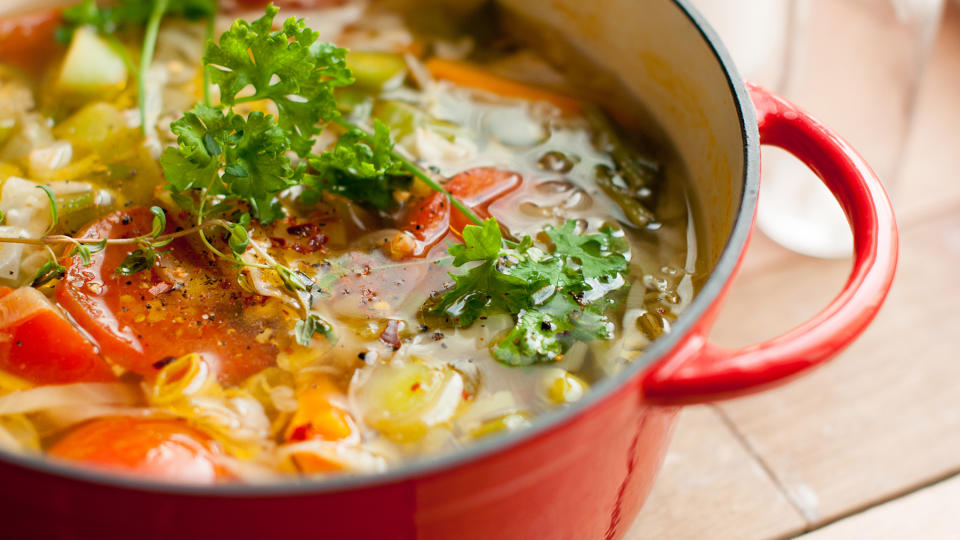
(302, 230)
(415, 387)
(277, 242)
(312, 234)
(300, 433)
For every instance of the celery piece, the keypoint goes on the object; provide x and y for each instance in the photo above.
(377, 71)
(92, 68)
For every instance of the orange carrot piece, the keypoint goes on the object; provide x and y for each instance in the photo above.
(466, 74)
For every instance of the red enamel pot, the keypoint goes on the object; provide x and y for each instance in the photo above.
(583, 472)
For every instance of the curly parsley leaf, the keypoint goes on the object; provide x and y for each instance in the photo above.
(288, 66)
(359, 168)
(228, 155)
(556, 298)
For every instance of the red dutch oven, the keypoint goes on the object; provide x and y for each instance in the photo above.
(582, 472)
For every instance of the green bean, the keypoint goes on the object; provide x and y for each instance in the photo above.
(634, 210)
(639, 171)
(651, 325)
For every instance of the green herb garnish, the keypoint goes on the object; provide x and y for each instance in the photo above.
(54, 209)
(557, 298)
(50, 271)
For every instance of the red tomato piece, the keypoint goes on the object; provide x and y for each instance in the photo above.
(159, 449)
(38, 344)
(428, 221)
(26, 39)
(431, 218)
(478, 188)
(183, 304)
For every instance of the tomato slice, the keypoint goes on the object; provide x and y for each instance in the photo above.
(478, 188)
(430, 219)
(38, 344)
(183, 304)
(159, 449)
(26, 39)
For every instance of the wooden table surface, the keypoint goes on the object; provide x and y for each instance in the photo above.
(868, 446)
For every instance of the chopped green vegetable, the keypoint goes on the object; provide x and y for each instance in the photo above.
(92, 67)
(108, 20)
(557, 298)
(376, 71)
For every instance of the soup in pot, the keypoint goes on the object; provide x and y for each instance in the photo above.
(242, 245)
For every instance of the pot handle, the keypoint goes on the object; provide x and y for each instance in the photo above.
(705, 372)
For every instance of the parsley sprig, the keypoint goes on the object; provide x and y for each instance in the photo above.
(557, 297)
(228, 163)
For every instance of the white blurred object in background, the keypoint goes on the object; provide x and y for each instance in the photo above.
(856, 66)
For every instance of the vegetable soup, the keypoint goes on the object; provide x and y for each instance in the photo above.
(247, 243)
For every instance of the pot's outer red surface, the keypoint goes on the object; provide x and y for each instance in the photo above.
(582, 473)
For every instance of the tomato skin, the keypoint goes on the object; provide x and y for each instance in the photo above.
(182, 305)
(431, 218)
(48, 350)
(159, 449)
(478, 188)
(428, 222)
(26, 39)
(39, 345)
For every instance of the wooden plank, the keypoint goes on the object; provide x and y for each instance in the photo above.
(930, 514)
(710, 487)
(882, 418)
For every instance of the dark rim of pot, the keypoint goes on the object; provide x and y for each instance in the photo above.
(722, 272)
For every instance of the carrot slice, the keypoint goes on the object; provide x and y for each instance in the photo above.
(319, 418)
(466, 74)
(160, 449)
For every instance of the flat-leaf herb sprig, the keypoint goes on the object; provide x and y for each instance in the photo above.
(557, 297)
